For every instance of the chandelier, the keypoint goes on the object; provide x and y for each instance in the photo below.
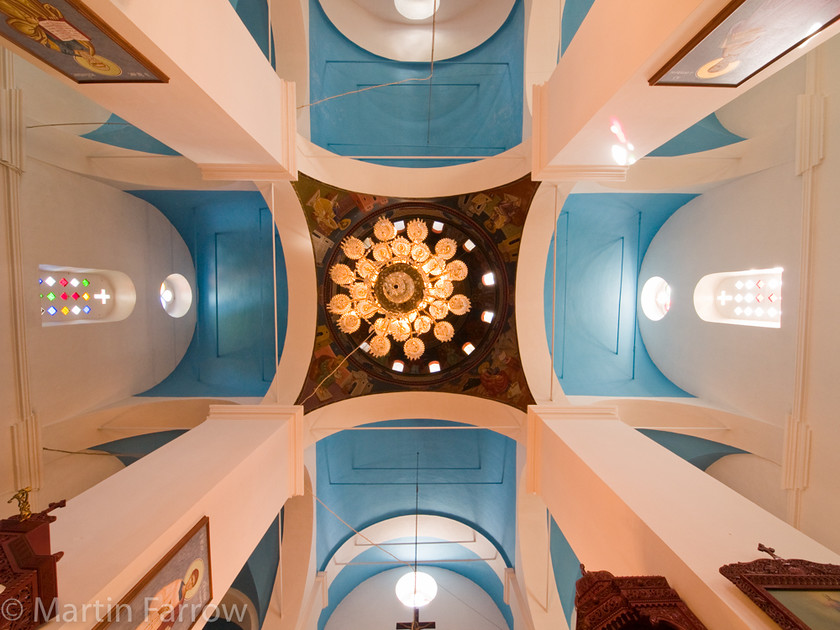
(399, 287)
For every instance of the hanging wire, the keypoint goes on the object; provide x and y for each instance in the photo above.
(343, 361)
(382, 85)
(404, 562)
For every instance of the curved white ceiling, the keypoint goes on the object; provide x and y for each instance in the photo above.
(377, 26)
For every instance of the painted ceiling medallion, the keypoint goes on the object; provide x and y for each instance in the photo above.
(399, 288)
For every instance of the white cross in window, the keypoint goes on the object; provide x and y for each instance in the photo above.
(723, 298)
(102, 296)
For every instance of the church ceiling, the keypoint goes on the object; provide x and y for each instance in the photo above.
(492, 221)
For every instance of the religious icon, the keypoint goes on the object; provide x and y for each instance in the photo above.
(744, 38)
(174, 594)
(67, 36)
(45, 24)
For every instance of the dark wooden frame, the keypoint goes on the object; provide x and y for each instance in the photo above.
(138, 588)
(756, 577)
(710, 28)
(44, 54)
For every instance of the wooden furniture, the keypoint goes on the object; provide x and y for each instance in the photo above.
(27, 571)
(606, 602)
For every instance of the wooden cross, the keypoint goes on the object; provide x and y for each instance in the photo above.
(416, 624)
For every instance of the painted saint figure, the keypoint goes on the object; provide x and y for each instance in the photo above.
(45, 24)
(165, 608)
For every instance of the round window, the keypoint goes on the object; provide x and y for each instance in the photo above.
(175, 295)
(656, 298)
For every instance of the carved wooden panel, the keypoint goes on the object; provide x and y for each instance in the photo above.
(606, 602)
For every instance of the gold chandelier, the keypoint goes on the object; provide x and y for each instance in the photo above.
(399, 287)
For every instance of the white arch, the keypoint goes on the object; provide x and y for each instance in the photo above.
(472, 410)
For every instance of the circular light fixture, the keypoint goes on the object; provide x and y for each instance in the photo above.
(417, 9)
(399, 287)
(175, 295)
(416, 589)
(656, 298)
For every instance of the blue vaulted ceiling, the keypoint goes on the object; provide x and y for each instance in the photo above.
(474, 106)
(229, 237)
(365, 477)
(369, 476)
(596, 344)
(374, 561)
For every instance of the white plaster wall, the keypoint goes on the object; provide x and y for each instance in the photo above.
(459, 604)
(69, 220)
(758, 479)
(821, 500)
(753, 222)
(8, 395)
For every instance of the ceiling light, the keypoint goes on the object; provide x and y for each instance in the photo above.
(437, 227)
(401, 287)
(400, 225)
(488, 279)
(417, 9)
(398, 366)
(469, 245)
(468, 348)
(416, 589)
(487, 317)
(434, 366)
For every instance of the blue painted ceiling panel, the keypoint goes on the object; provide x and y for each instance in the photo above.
(695, 450)
(120, 133)
(474, 106)
(705, 135)
(369, 476)
(129, 450)
(229, 237)
(601, 241)
(574, 12)
(566, 567)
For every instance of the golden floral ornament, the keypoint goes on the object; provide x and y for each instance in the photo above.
(401, 247)
(422, 324)
(443, 289)
(399, 329)
(439, 309)
(381, 325)
(459, 304)
(414, 348)
(349, 323)
(380, 346)
(359, 291)
(342, 274)
(399, 287)
(353, 248)
(384, 230)
(444, 331)
(417, 230)
(339, 303)
(446, 248)
(365, 268)
(457, 270)
(367, 308)
(420, 252)
(381, 252)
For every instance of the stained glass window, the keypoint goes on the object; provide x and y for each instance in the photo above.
(748, 298)
(83, 296)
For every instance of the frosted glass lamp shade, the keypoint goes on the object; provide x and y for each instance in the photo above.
(417, 9)
(416, 589)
